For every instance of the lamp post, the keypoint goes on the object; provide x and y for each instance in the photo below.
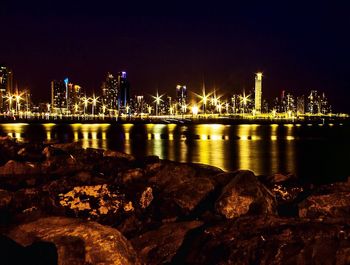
(244, 100)
(94, 103)
(157, 100)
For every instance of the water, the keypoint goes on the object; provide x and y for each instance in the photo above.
(315, 152)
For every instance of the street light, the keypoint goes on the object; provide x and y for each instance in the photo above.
(85, 101)
(244, 100)
(157, 100)
(94, 101)
(194, 110)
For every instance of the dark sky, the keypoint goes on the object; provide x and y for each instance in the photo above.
(298, 46)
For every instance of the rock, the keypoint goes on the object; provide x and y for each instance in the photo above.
(152, 168)
(62, 165)
(288, 198)
(172, 173)
(19, 168)
(31, 153)
(206, 170)
(95, 202)
(30, 202)
(160, 246)
(77, 241)
(146, 198)
(116, 154)
(83, 178)
(8, 149)
(328, 205)
(5, 198)
(15, 254)
(222, 179)
(151, 159)
(245, 194)
(258, 240)
(50, 152)
(68, 147)
(188, 194)
(278, 178)
(132, 175)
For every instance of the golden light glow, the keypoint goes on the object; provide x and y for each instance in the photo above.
(194, 110)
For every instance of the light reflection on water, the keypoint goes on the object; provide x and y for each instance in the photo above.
(265, 149)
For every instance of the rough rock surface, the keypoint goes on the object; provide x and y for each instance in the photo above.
(251, 240)
(328, 205)
(173, 213)
(77, 241)
(243, 194)
(160, 246)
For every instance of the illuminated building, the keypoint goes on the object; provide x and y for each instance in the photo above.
(6, 85)
(317, 104)
(110, 92)
(181, 98)
(301, 105)
(75, 93)
(6, 79)
(258, 92)
(138, 105)
(123, 91)
(288, 103)
(59, 96)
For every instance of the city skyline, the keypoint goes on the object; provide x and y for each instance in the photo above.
(297, 47)
(115, 98)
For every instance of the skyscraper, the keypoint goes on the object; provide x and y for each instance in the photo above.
(110, 92)
(6, 79)
(75, 93)
(123, 91)
(258, 92)
(59, 96)
(181, 98)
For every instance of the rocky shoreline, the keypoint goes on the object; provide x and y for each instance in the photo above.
(61, 204)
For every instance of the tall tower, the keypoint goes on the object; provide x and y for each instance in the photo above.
(58, 96)
(258, 92)
(181, 97)
(110, 92)
(123, 91)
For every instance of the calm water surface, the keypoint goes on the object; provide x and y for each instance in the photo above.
(316, 152)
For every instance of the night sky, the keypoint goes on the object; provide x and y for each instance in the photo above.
(298, 46)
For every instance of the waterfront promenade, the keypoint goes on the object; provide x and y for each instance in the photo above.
(178, 119)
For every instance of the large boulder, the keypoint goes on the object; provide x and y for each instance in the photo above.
(13, 253)
(97, 202)
(188, 194)
(326, 205)
(8, 149)
(243, 194)
(117, 154)
(171, 173)
(19, 168)
(5, 198)
(77, 241)
(160, 246)
(68, 147)
(258, 240)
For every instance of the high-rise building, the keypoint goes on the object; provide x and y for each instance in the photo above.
(314, 103)
(110, 93)
(181, 98)
(301, 105)
(6, 85)
(258, 92)
(75, 93)
(59, 96)
(123, 91)
(6, 79)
